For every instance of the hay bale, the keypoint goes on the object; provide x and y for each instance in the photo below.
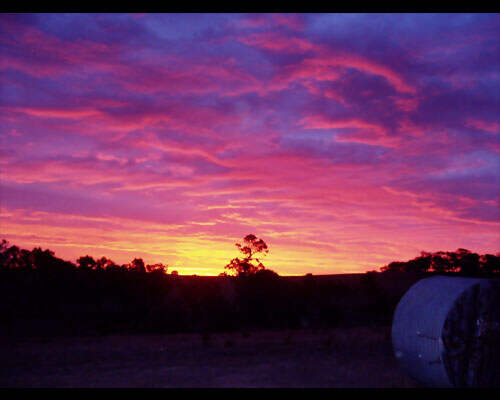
(446, 332)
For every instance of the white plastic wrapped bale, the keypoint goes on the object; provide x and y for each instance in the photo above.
(445, 332)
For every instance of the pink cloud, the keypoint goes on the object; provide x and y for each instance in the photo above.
(57, 113)
(362, 131)
(324, 58)
(290, 21)
(492, 127)
(277, 42)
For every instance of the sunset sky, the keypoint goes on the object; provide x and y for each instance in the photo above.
(344, 141)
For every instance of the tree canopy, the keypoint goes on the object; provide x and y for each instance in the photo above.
(461, 261)
(12, 257)
(250, 264)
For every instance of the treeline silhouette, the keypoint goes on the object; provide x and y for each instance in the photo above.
(43, 295)
(462, 261)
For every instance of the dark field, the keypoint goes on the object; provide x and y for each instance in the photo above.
(338, 357)
(99, 329)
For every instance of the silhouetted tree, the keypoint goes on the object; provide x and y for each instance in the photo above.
(158, 268)
(104, 263)
(420, 264)
(440, 262)
(46, 261)
(247, 265)
(137, 265)
(13, 257)
(395, 266)
(490, 264)
(86, 262)
(461, 261)
(4, 257)
(468, 262)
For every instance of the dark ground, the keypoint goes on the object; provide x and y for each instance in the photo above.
(340, 357)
